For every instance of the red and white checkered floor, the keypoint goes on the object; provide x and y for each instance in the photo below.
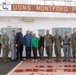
(28, 67)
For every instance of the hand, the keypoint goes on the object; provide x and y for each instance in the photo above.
(3, 46)
(70, 45)
(41, 48)
(16, 45)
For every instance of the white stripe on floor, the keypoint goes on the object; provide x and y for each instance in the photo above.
(14, 68)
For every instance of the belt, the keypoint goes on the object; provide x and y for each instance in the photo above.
(66, 44)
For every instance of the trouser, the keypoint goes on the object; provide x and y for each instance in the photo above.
(34, 52)
(41, 54)
(13, 52)
(0, 48)
(28, 52)
(67, 51)
(74, 52)
(5, 52)
(19, 51)
(49, 52)
(58, 51)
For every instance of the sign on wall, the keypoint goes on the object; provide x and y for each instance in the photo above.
(43, 8)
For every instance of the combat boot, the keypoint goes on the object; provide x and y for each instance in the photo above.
(4, 60)
(75, 59)
(58, 60)
(49, 61)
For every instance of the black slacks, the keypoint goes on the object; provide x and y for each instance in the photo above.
(34, 52)
(19, 51)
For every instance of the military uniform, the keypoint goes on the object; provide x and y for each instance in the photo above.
(0, 43)
(49, 46)
(57, 47)
(5, 42)
(73, 41)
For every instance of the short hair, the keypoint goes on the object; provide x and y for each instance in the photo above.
(20, 28)
(5, 30)
(56, 30)
(13, 30)
(74, 28)
(40, 33)
(28, 30)
(66, 32)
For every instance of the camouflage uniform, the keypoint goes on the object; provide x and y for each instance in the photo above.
(5, 41)
(49, 46)
(73, 41)
(0, 43)
(57, 47)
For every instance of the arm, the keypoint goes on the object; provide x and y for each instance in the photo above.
(37, 42)
(31, 42)
(52, 38)
(71, 39)
(42, 42)
(16, 39)
(60, 39)
(24, 38)
(2, 41)
(11, 42)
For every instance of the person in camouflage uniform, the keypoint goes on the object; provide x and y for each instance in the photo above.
(0, 44)
(73, 42)
(5, 45)
(49, 45)
(57, 45)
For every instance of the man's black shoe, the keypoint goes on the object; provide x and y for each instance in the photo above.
(64, 60)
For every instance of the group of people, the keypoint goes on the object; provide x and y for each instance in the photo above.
(33, 43)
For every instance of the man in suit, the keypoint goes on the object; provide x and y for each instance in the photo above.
(19, 44)
(41, 46)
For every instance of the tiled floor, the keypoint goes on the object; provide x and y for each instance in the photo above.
(28, 67)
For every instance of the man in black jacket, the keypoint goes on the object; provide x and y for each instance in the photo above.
(41, 46)
(19, 44)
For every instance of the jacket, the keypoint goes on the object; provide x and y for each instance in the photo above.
(34, 42)
(41, 42)
(5, 40)
(19, 38)
(27, 40)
